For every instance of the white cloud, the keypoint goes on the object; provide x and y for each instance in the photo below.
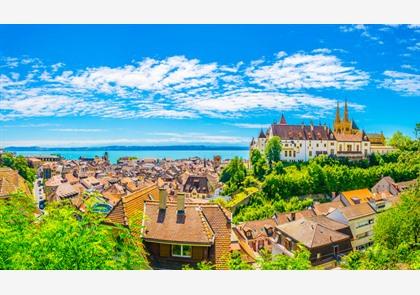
(364, 32)
(322, 51)
(176, 87)
(414, 26)
(414, 47)
(251, 125)
(404, 83)
(77, 130)
(308, 71)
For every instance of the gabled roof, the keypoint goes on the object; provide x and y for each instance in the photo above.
(170, 227)
(131, 205)
(11, 181)
(356, 211)
(292, 216)
(257, 227)
(301, 132)
(311, 233)
(325, 208)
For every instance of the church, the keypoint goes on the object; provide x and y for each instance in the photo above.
(304, 142)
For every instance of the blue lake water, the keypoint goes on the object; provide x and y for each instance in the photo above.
(157, 154)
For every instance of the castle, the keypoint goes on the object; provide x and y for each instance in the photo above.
(304, 142)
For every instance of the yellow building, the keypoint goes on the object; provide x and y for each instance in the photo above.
(352, 143)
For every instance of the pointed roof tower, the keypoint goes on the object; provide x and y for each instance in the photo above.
(262, 135)
(337, 113)
(283, 120)
(346, 112)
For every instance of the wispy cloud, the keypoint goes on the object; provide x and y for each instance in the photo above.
(77, 130)
(404, 83)
(174, 87)
(364, 31)
(308, 71)
(251, 125)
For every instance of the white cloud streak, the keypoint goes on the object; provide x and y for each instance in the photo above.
(174, 87)
(404, 83)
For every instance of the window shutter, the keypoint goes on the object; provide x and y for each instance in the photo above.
(165, 250)
(197, 253)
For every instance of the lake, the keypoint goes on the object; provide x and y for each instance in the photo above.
(158, 154)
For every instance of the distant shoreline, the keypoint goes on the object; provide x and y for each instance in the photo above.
(131, 148)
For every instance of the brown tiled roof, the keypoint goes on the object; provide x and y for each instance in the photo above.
(66, 190)
(257, 227)
(311, 233)
(239, 244)
(220, 223)
(168, 226)
(71, 178)
(131, 205)
(328, 223)
(349, 137)
(11, 181)
(356, 211)
(325, 208)
(301, 132)
(114, 193)
(288, 216)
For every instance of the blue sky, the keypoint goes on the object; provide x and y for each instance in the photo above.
(215, 84)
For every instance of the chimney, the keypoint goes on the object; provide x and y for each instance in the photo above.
(163, 195)
(293, 216)
(180, 203)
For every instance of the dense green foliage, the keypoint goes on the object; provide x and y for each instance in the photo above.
(272, 150)
(300, 260)
(202, 265)
(236, 262)
(20, 164)
(233, 176)
(321, 175)
(64, 238)
(267, 261)
(259, 167)
(396, 237)
(403, 142)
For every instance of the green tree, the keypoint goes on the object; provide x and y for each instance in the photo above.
(299, 260)
(233, 175)
(20, 164)
(202, 265)
(395, 237)
(236, 262)
(401, 223)
(259, 166)
(272, 150)
(64, 238)
(400, 141)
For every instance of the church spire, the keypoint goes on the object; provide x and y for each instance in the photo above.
(346, 112)
(283, 120)
(337, 113)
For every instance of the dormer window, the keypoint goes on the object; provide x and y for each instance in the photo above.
(249, 234)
